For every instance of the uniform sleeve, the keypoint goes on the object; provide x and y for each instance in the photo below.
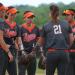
(69, 29)
(2, 26)
(18, 31)
(42, 32)
(38, 32)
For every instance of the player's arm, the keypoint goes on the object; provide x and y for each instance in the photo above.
(17, 38)
(2, 42)
(5, 47)
(71, 36)
(42, 56)
(41, 41)
(18, 42)
(73, 29)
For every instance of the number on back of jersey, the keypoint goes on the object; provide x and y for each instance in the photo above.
(57, 29)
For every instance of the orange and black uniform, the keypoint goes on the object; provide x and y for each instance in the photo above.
(70, 12)
(72, 24)
(56, 43)
(72, 51)
(1, 50)
(33, 34)
(11, 32)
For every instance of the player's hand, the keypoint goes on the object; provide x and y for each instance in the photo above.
(43, 60)
(10, 56)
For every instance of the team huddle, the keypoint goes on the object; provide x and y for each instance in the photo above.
(56, 42)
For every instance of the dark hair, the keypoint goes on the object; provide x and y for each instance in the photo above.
(54, 11)
(72, 10)
(1, 4)
(10, 7)
(27, 12)
(54, 7)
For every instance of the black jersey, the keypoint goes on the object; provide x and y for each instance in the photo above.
(56, 36)
(32, 34)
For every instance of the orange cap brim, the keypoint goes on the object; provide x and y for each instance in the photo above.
(12, 11)
(28, 15)
(68, 12)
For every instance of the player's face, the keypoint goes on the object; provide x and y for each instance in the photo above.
(12, 16)
(69, 17)
(29, 20)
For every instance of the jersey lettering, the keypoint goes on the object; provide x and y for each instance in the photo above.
(57, 29)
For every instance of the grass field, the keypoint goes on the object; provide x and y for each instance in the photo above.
(42, 72)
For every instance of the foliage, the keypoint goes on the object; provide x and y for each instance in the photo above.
(41, 12)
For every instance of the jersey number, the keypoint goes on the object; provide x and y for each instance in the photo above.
(57, 29)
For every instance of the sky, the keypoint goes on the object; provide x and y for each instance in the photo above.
(32, 2)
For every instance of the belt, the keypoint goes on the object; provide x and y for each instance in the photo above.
(72, 50)
(51, 49)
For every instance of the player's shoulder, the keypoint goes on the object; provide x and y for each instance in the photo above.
(47, 25)
(65, 22)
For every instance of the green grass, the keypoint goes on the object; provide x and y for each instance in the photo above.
(42, 72)
(39, 71)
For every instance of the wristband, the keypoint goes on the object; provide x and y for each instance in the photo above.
(41, 49)
(21, 47)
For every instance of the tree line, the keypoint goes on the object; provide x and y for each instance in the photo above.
(41, 12)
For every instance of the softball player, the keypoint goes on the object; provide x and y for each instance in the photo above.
(69, 16)
(8, 35)
(29, 35)
(58, 37)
